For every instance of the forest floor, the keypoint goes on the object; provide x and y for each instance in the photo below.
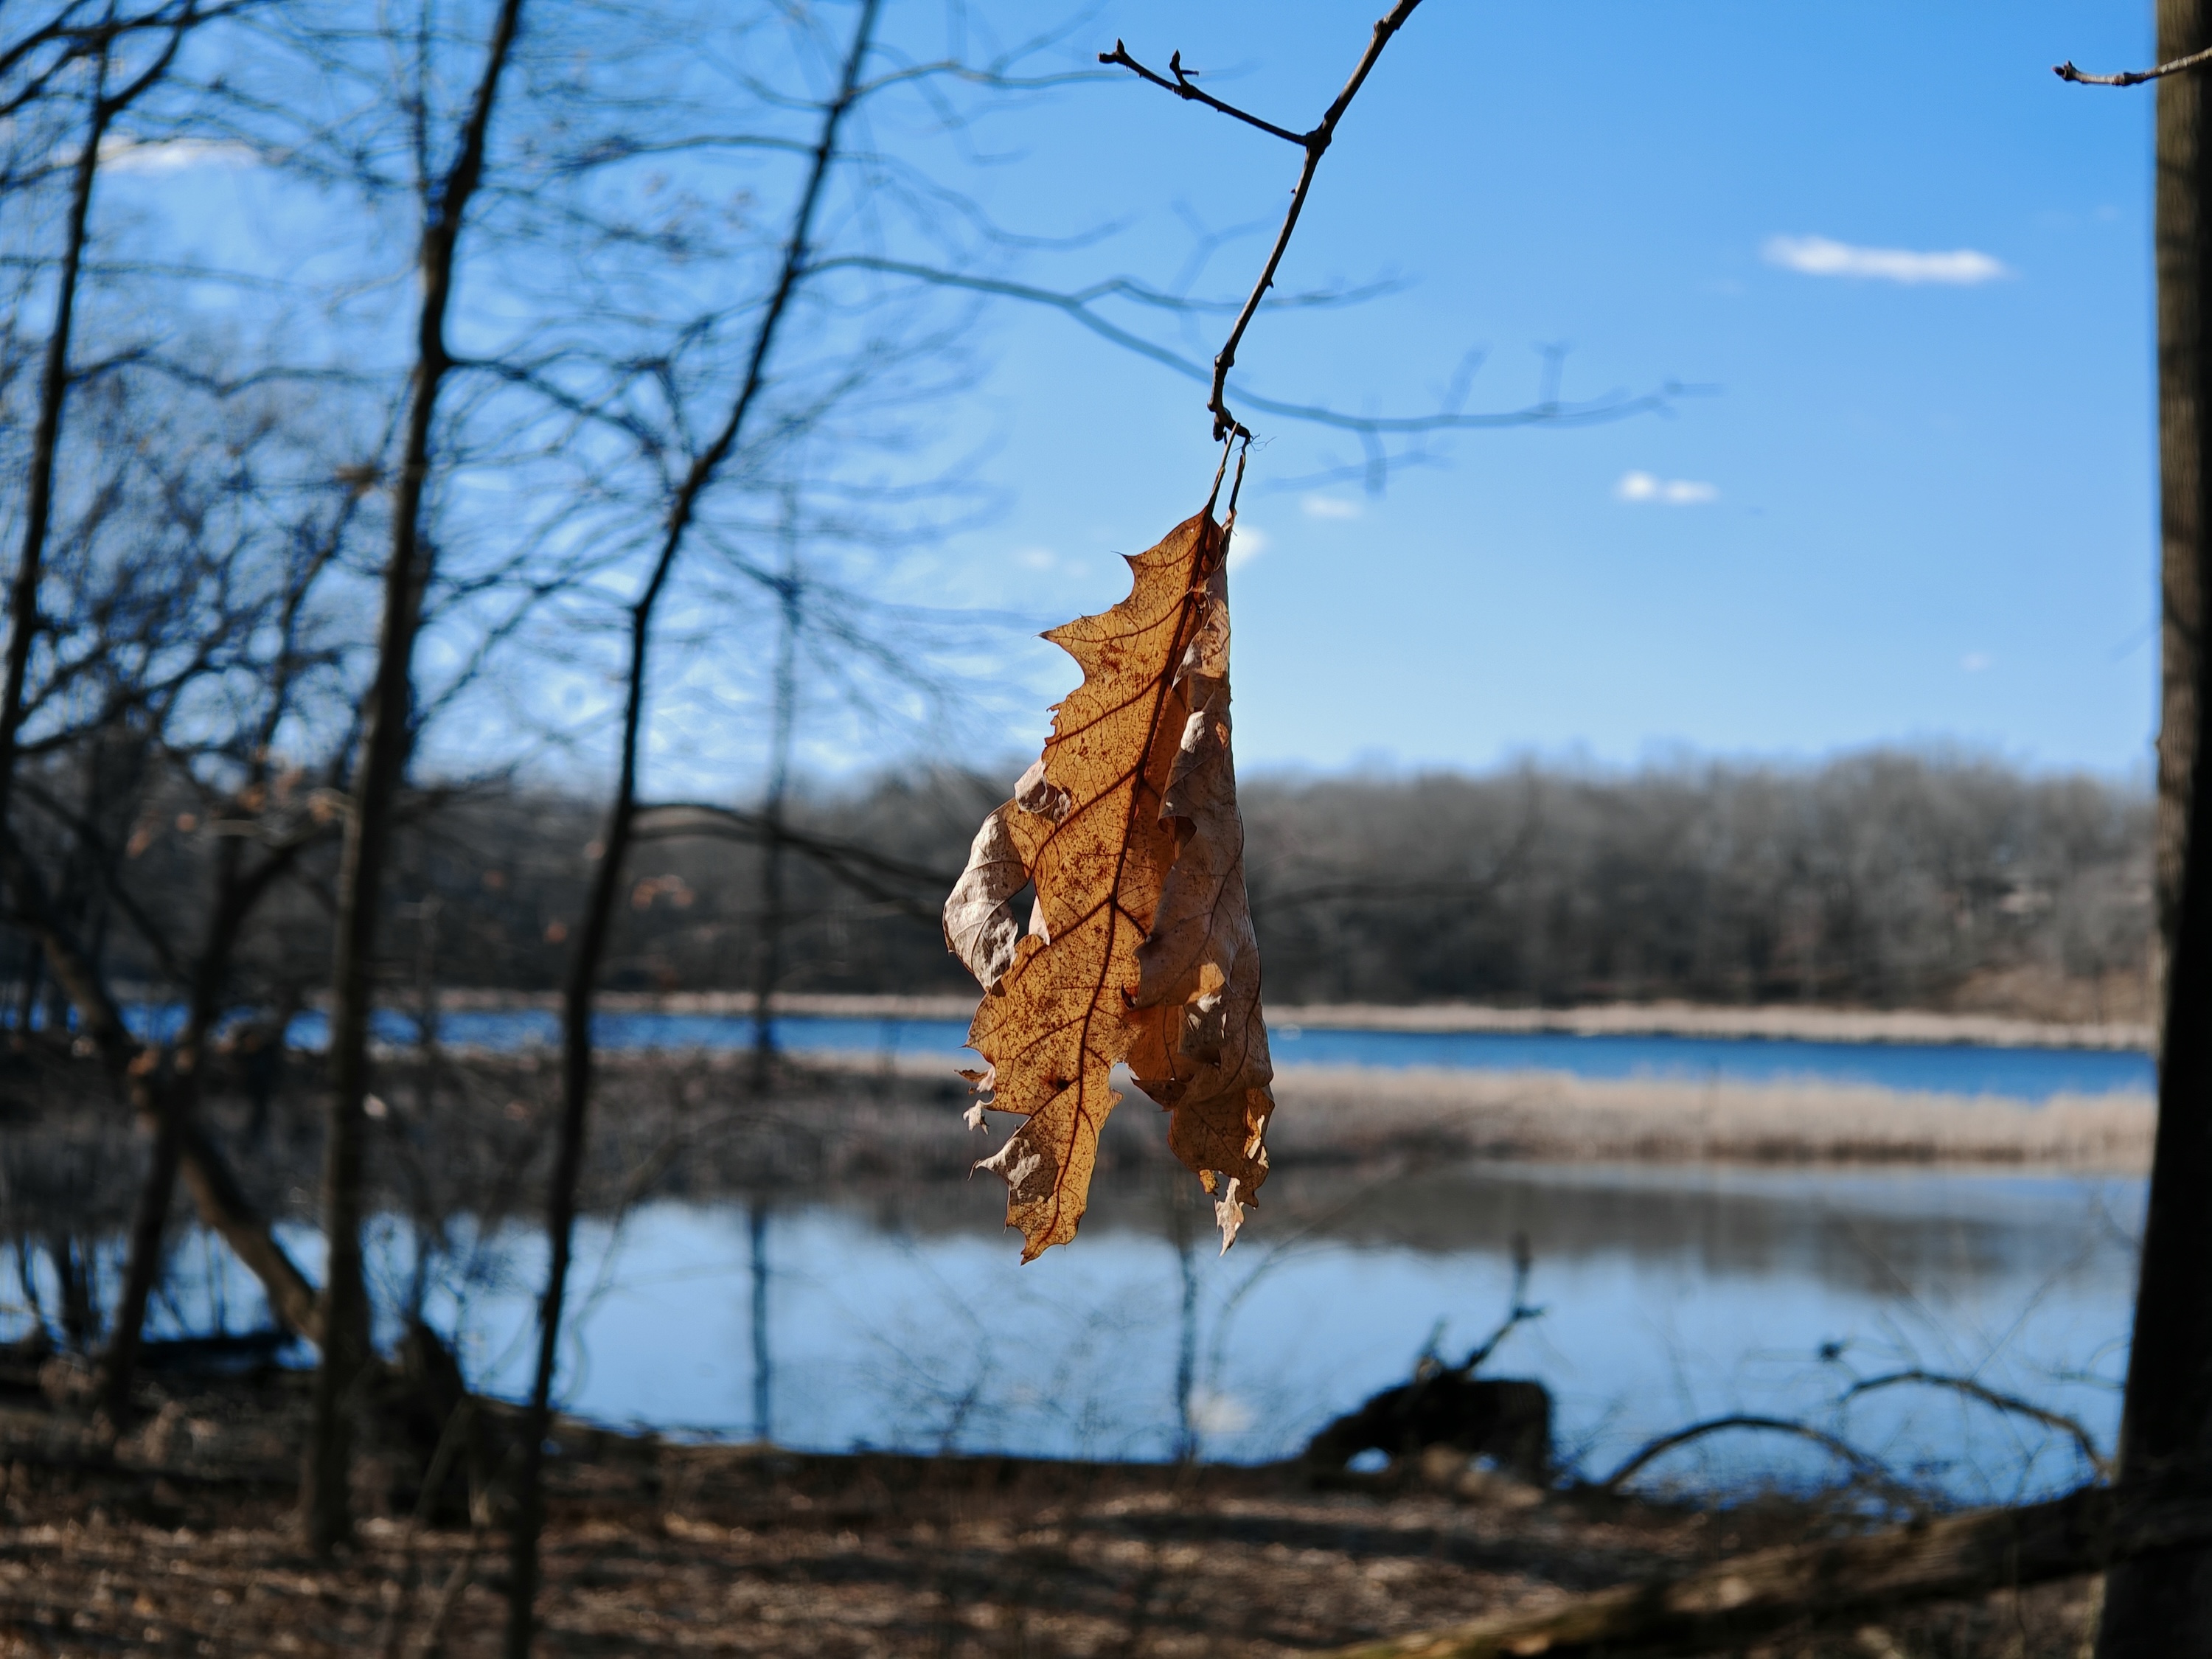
(179, 1540)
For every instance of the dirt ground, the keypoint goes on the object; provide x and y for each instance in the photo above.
(180, 1543)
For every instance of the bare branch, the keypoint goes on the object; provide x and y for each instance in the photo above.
(1316, 144)
(1184, 86)
(2071, 1427)
(2066, 71)
(1546, 410)
(858, 867)
(1667, 1443)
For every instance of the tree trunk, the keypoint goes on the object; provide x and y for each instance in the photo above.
(76, 972)
(165, 1089)
(606, 883)
(325, 1504)
(768, 942)
(75, 1266)
(2162, 1605)
(142, 1269)
(757, 1259)
(46, 439)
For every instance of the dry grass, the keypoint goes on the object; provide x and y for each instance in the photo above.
(1354, 1112)
(1802, 1022)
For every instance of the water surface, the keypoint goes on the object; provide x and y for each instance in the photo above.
(2031, 1074)
(902, 1319)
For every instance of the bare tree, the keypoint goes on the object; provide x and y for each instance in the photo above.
(56, 52)
(49, 55)
(598, 912)
(107, 648)
(325, 1506)
(179, 626)
(265, 814)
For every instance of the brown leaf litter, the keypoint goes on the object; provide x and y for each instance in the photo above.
(186, 1547)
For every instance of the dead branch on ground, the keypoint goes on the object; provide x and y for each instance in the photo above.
(1721, 1605)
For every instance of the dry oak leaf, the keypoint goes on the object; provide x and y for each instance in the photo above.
(1139, 948)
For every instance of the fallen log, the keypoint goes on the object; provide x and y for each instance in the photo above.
(1946, 1558)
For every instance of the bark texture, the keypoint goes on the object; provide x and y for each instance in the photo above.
(2162, 1605)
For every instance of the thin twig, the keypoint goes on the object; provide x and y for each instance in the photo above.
(2071, 1427)
(1547, 410)
(1316, 144)
(1520, 1313)
(2066, 71)
(1667, 1443)
(1184, 86)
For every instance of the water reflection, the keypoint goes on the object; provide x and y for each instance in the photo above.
(903, 1320)
(899, 1317)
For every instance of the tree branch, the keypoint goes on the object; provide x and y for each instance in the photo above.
(1720, 1607)
(1316, 144)
(1184, 86)
(1667, 1443)
(855, 866)
(2066, 71)
(1546, 410)
(2071, 1427)
(597, 922)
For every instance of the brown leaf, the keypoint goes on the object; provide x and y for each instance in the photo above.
(979, 918)
(1140, 947)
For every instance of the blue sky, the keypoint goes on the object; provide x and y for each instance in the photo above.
(1908, 511)
(1909, 271)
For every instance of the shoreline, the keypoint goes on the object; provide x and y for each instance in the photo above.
(1352, 1115)
(1761, 1022)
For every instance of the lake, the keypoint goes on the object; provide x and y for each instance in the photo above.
(901, 1319)
(2018, 1074)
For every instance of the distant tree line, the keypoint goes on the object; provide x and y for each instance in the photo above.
(1882, 878)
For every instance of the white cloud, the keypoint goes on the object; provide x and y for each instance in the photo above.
(1975, 661)
(1819, 256)
(1328, 507)
(119, 155)
(1036, 558)
(1248, 543)
(1669, 492)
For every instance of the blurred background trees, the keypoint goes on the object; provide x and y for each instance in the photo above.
(1885, 878)
(359, 368)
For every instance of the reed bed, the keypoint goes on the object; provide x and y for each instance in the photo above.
(1356, 1112)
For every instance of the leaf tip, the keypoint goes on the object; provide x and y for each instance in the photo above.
(1229, 1214)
